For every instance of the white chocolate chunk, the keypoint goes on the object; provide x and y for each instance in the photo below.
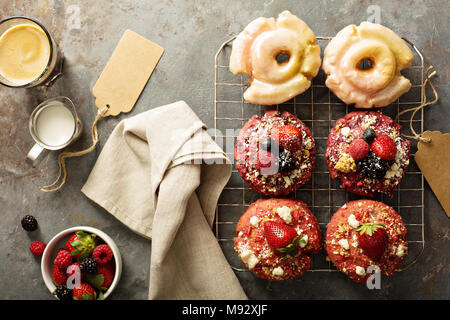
(285, 214)
(254, 221)
(360, 271)
(249, 258)
(278, 271)
(345, 131)
(352, 221)
(401, 251)
(344, 243)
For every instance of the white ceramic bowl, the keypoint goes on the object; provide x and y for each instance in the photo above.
(58, 242)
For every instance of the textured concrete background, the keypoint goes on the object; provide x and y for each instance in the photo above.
(191, 32)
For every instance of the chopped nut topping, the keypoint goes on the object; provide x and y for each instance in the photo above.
(346, 163)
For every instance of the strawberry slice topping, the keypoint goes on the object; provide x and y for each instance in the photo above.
(281, 238)
(288, 137)
(384, 147)
(372, 239)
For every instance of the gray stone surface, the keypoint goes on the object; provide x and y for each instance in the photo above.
(191, 32)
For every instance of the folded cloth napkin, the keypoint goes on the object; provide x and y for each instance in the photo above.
(161, 174)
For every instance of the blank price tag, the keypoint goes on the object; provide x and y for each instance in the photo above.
(433, 160)
(126, 73)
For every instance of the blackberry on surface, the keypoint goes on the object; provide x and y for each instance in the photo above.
(368, 135)
(29, 223)
(88, 265)
(286, 162)
(63, 293)
(372, 166)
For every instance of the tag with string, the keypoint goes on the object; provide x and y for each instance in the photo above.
(117, 89)
(433, 155)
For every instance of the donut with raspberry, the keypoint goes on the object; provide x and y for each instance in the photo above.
(273, 237)
(364, 236)
(366, 151)
(275, 153)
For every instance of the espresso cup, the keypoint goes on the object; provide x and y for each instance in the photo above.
(28, 54)
(54, 125)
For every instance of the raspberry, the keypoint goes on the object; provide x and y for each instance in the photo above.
(37, 248)
(59, 277)
(102, 254)
(288, 137)
(358, 149)
(63, 259)
(384, 147)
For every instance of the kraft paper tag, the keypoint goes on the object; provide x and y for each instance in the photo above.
(433, 160)
(126, 73)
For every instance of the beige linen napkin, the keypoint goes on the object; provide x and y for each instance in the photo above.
(161, 174)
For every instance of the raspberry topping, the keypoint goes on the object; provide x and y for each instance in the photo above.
(359, 149)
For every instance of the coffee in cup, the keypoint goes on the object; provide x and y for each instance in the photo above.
(28, 54)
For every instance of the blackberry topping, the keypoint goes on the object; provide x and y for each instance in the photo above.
(372, 166)
(63, 293)
(287, 162)
(368, 135)
(29, 223)
(88, 265)
(267, 143)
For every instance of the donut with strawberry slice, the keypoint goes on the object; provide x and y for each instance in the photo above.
(275, 153)
(366, 151)
(274, 236)
(365, 233)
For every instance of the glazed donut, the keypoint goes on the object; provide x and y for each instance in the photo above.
(256, 51)
(379, 84)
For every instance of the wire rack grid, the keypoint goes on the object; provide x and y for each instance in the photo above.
(318, 108)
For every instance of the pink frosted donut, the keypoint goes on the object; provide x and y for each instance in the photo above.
(253, 248)
(378, 85)
(345, 250)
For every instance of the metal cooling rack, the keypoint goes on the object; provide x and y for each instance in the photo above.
(318, 108)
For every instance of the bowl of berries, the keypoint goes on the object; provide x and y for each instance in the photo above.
(81, 263)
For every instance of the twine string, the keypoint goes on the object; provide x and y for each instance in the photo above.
(62, 172)
(429, 74)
